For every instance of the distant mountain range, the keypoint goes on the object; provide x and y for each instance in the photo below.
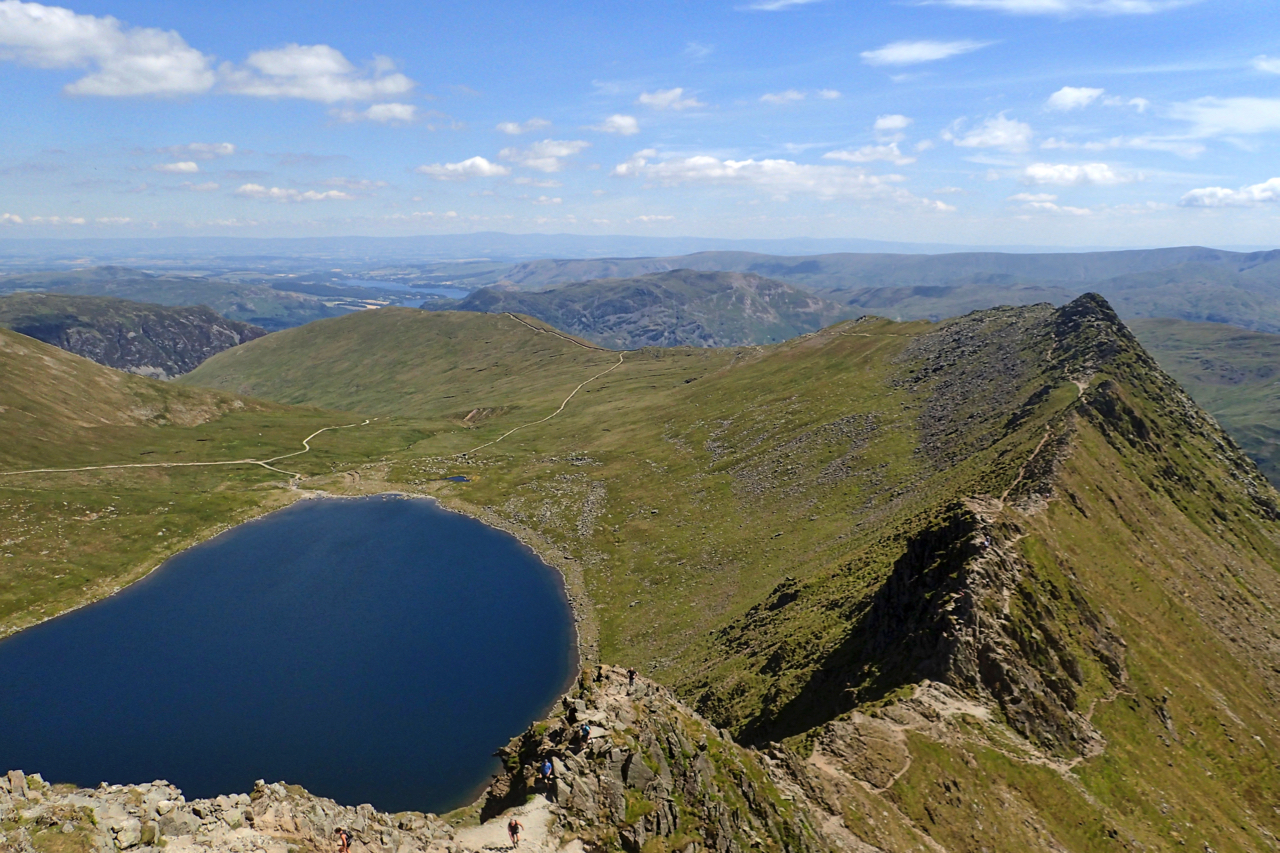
(1189, 283)
(150, 340)
(677, 308)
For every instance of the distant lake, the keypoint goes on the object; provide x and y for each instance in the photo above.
(449, 292)
(371, 650)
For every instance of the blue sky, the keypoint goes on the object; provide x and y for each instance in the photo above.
(1045, 122)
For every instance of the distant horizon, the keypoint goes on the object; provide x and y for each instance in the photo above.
(9, 245)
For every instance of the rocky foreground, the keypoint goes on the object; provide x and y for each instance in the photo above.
(632, 767)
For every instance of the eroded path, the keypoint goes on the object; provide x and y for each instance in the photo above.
(265, 463)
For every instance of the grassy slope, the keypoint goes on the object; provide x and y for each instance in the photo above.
(1233, 374)
(70, 538)
(737, 515)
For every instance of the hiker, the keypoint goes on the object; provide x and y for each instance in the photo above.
(631, 676)
(546, 771)
(585, 731)
(513, 829)
(344, 840)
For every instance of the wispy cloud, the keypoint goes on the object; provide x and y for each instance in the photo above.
(390, 113)
(871, 153)
(515, 128)
(1266, 63)
(915, 52)
(1066, 8)
(775, 5)
(999, 132)
(185, 167)
(780, 178)
(778, 98)
(622, 125)
(669, 99)
(545, 156)
(258, 191)
(1220, 116)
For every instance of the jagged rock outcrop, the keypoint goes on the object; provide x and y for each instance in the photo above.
(150, 340)
(633, 767)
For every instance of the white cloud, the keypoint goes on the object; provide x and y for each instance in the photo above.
(1047, 203)
(1267, 64)
(924, 145)
(1004, 133)
(649, 218)
(1267, 192)
(891, 123)
(185, 167)
(207, 187)
(544, 156)
(775, 5)
(619, 124)
(786, 97)
(122, 60)
(913, 52)
(10, 219)
(698, 50)
(1140, 104)
(313, 72)
(113, 220)
(1218, 116)
(1073, 174)
(258, 191)
(781, 178)
(472, 167)
(1067, 7)
(1033, 197)
(542, 199)
(669, 99)
(515, 128)
(390, 113)
(200, 150)
(829, 94)
(1073, 98)
(871, 153)
(634, 164)
(57, 220)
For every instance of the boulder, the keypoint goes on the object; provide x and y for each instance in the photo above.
(177, 823)
(129, 834)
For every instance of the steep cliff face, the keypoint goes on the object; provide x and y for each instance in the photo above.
(150, 340)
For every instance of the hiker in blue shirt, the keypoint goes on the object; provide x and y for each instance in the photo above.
(547, 770)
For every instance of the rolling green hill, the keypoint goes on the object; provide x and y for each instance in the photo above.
(1233, 374)
(996, 566)
(678, 308)
(994, 583)
(151, 340)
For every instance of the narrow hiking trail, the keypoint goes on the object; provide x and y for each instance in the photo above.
(565, 401)
(265, 463)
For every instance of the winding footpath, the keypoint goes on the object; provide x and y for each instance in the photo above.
(565, 401)
(265, 463)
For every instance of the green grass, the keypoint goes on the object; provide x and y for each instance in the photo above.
(1234, 374)
(737, 519)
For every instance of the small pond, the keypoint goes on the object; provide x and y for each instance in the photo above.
(371, 650)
